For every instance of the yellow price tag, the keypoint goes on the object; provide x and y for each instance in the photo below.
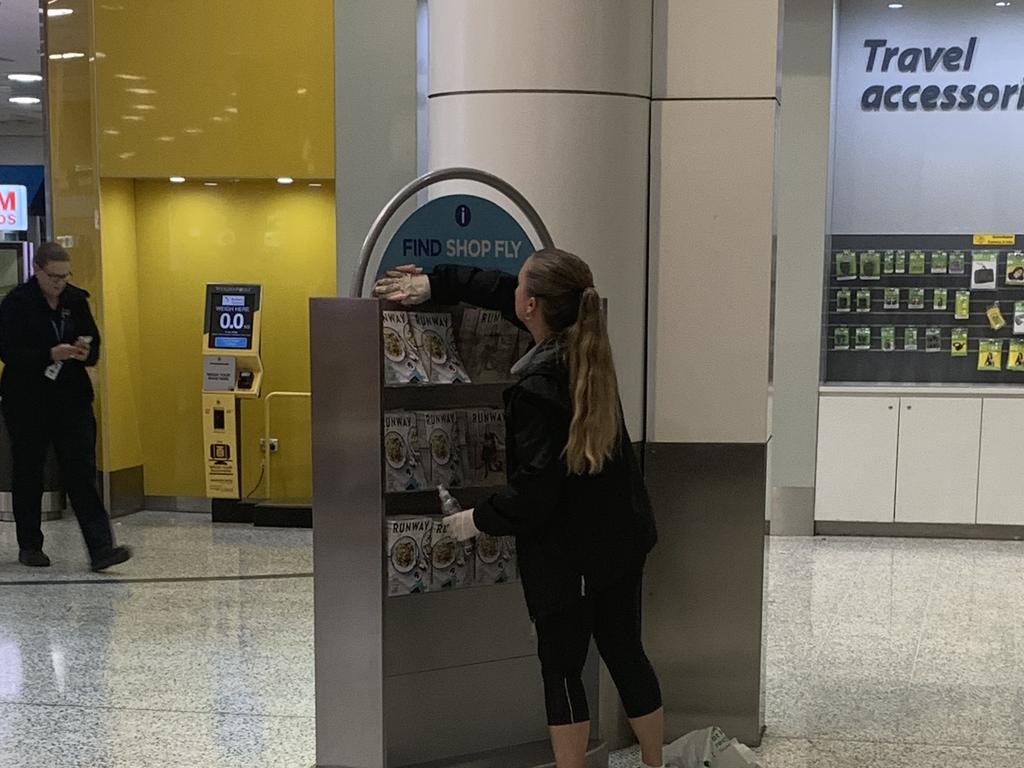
(995, 239)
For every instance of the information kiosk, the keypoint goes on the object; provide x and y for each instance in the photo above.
(232, 369)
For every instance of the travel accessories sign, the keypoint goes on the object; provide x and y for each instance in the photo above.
(883, 58)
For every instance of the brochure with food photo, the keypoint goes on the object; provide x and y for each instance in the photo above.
(435, 340)
(442, 444)
(408, 541)
(451, 561)
(403, 471)
(402, 363)
(494, 561)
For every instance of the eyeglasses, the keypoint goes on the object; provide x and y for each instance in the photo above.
(58, 278)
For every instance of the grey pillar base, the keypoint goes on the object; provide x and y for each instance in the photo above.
(792, 511)
(704, 587)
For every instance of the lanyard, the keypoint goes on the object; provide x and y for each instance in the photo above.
(60, 331)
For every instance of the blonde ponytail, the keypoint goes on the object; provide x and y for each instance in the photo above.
(572, 309)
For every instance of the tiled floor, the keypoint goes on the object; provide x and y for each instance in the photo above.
(892, 653)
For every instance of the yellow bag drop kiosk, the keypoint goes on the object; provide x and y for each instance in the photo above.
(232, 369)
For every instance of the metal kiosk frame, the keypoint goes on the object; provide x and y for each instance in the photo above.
(443, 678)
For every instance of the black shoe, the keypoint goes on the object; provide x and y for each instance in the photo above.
(33, 558)
(111, 557)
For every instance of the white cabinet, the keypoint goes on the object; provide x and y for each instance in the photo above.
(856, 467)
(1000, 500)
(937, 478)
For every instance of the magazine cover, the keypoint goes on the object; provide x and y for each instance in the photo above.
(486, 444)
(402, 363)
(435, 340)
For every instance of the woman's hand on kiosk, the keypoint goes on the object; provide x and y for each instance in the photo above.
(405, 285)
(461, 525)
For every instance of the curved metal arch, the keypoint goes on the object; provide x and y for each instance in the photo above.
(435, 177)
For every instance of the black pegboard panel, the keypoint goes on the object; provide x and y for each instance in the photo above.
(917, 367)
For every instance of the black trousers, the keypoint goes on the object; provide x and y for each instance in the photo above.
(612, 617)
(72, 431)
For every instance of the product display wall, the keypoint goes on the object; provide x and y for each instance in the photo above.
(924, 309)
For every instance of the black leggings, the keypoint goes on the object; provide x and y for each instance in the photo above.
(612, 617)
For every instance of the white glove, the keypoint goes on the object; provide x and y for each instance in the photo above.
(405, 285)
(461, 525)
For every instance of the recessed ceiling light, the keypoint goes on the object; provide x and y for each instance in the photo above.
(315, 184)
(23, 100)
(895, 6)
(302, 91)
(143, 107)
(126, 155)
(123, 76)
(285, 180)
(232, 110)
(165, 138)
(59, 11)
(71, 55)
(133, 118)
(1003, 4)
(209, 183)
(111, 132)
(177, 179)
(25, 78)
(140, 91)
(193, 131)
(217, 119)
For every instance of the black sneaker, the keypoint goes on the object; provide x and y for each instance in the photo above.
(33, 558)
(111, 557)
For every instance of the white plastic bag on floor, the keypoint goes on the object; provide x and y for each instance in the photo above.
(708, 748)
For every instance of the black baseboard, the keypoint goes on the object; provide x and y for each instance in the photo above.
(269, 515)
(231, 511)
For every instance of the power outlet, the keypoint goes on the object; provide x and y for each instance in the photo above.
(273, 445)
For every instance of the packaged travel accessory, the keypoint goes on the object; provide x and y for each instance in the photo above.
(940, 262)
(990, 355)
(846, 265)
(408, 542)
(892, 298)
(940, 299)
(863, 340)
(841, 337)
(995, 317)
(901, 263)
(870, 265)
(910, 339)
(888, 262)
(1015, 268)
(957, 262)
(915, 298)
(962, 309)
(888, 338)
(864, 300)
(435, 340)
(843, 300)
(1016, 361)
(983, 270)
(402, 363)
(958, 347)
(486, 444)
(933, 340)
(917, 262)
(1018, 318)
(403, 471)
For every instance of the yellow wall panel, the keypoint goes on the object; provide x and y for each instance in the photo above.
(189, 235)
(121, 373)
(223, 89)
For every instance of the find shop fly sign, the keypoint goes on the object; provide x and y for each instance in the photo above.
(13, 208)
(459, 229)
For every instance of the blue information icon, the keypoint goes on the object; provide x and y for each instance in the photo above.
(463, 215)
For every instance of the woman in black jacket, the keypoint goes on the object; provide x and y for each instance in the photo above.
(576, 500)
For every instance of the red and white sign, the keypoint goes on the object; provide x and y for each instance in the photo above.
(13, 208)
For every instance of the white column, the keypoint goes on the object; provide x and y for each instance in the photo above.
(554, 98)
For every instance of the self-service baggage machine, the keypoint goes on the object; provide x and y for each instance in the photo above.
(232, 370)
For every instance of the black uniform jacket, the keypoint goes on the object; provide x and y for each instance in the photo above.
(29, 329)
(574, 534)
